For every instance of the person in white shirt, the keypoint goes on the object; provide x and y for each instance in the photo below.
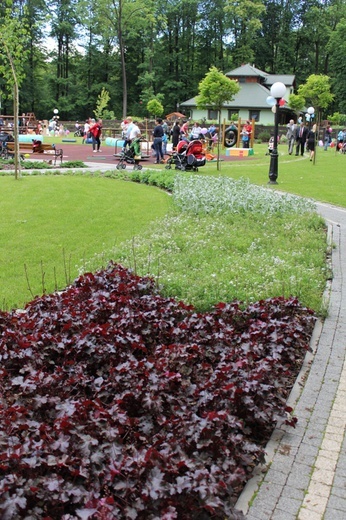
(126, 133)
(134, 134)
(196, 131)
(86, 130)
(134, 131)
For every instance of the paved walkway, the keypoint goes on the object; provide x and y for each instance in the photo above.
(305, 474)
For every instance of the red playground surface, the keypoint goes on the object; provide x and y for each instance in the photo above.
(84, 152)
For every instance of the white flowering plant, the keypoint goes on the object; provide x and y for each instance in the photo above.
(228, 240)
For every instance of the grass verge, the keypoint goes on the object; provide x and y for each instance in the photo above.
(50, 224)
(323, 180)
(265, 245)
(207, 250)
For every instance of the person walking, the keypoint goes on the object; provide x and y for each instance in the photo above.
(327, 137)
(86, 131)
(158, 134)
(134, 135)
(175, 134)
(341, 140)
(301, 135)
(311, 141)
(291, 135)
(166, 129)
(164, 143)
(96, 132)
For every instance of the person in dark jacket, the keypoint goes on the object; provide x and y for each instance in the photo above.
(158, 134)
(301, 136)
(175, 134)
(311, 141)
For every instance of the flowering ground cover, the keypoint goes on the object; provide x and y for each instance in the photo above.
(228, 240)
(119, 403)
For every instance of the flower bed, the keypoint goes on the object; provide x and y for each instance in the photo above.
(118, 403)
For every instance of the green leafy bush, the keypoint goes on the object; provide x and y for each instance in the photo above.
(74, 164)
(264, 136)
(119, 403)
(42, 165)
(161, 179)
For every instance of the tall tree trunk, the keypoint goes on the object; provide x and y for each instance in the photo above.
(123, 71)
(17, 169)
(17, 165)
(218, 141)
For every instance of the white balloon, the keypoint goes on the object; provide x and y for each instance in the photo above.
(274, 109)
(278, 89)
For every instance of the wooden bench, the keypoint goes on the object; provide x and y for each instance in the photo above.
(42, 148)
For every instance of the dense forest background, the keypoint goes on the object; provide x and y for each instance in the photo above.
(141, 49)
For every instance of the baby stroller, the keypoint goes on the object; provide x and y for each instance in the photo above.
(79, 132)
(188, 156)
(128, 155)
(4, 139)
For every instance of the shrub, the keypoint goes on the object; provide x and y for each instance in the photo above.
(34, 165)
(74, 164)
(264, 136)
(43, 165)
(161, 179)
(118, 403)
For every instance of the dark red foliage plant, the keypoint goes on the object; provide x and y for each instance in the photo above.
(117, 403)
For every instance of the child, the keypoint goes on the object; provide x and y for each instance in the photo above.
(270, 145)
(164, 144)
(215, 138)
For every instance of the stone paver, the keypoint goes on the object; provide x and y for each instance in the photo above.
(307, 475)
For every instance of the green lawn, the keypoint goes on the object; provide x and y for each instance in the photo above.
(323, 181)
(53, 227)
(50, 224)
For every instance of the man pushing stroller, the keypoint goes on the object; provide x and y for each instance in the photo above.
(131, 151)
(132, 138)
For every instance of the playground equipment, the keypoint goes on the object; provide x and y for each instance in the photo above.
(232, 134)
(27, 123)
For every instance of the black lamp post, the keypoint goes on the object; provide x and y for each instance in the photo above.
(278, 90)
